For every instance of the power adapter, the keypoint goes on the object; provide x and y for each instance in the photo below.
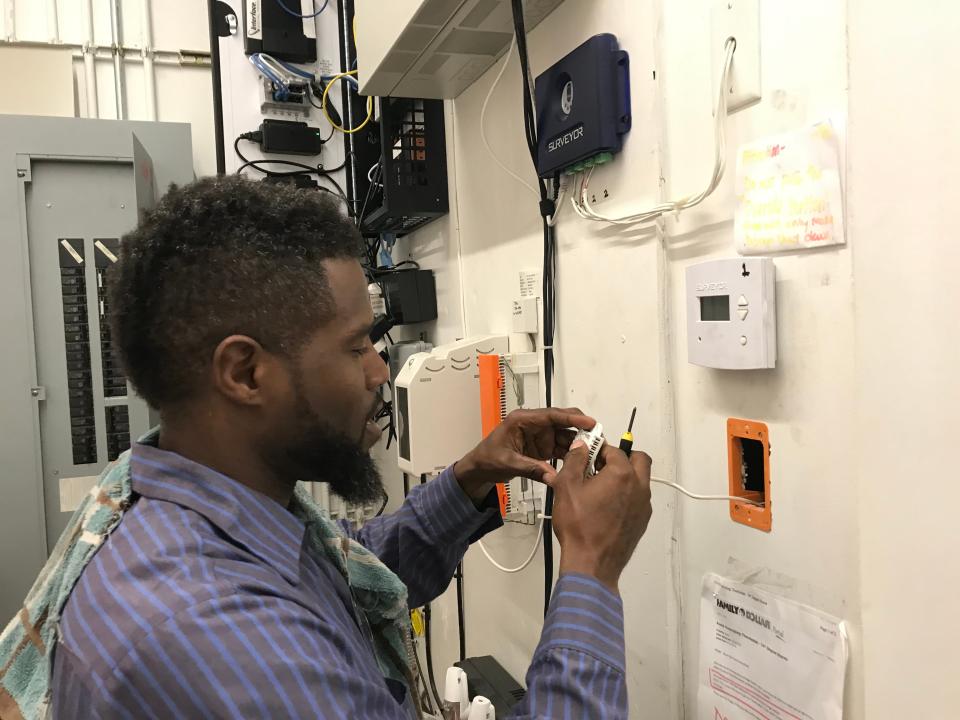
(289, 138)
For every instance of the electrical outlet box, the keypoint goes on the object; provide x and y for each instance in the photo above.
(748, 467)
(732, 314)
(739, 19)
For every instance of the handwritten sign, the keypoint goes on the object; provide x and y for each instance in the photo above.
(788, 192)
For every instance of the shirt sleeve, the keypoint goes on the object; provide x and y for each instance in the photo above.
(240, 656)
(423, 541)
(578, 669)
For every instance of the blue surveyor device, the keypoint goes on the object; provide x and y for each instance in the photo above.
(583, 107)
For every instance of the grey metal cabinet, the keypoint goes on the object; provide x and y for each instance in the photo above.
(69, 190)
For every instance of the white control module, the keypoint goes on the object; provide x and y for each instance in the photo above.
(594, 441)
(732, 314)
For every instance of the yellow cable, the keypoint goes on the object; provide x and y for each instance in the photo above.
(323, 105)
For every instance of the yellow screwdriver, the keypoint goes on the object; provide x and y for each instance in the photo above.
(626, 440)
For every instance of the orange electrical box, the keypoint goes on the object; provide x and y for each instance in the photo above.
(493, 409)
(748, 467)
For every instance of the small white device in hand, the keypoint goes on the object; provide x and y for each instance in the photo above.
(594, 441)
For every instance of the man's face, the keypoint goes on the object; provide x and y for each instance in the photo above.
(323, 427)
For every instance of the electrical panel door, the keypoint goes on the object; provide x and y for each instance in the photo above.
(77, 211)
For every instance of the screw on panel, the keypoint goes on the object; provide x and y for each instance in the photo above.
(21, 173)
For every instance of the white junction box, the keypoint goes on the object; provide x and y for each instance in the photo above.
(437, 403)
(740, 20)
(732, 314)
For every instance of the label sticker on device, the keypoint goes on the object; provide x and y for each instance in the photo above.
(106, 251)
(73, 253)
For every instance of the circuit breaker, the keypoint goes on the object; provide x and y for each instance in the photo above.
(74, 189)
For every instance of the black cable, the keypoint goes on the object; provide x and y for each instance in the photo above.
(219, 139)
(429, 653)
(397, 267)
(547, 209)
(343, 195)
(386, 499)
(462, 632)
(302, 169)
(425, 695)
(373, 183)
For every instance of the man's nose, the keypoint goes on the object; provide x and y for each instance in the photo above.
(379, 373)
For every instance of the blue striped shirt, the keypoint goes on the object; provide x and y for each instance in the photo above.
(204, 603)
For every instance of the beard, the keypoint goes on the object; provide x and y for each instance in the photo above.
(316, 452)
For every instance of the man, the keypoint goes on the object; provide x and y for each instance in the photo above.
(242, 315)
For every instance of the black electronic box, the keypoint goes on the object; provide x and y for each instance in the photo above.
(583, 106)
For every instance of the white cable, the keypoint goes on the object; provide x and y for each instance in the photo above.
(698, 496)
(678, 488)
(552, 219)
(483, 115)
(533, 553)
(581, 202)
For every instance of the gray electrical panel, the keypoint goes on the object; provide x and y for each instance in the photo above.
(69, 190)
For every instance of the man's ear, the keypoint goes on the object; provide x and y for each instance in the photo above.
(239, 367)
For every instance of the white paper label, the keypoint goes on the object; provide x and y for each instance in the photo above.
(73, 490)
(764, 657)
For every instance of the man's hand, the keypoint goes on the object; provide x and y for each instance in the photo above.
(600, 519)
(520, 446)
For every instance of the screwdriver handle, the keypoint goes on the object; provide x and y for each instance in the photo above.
(626, 443)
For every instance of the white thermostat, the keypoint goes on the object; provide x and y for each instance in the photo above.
(732, 314)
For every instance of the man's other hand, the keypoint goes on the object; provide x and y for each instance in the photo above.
(600, 519)
(521, 446)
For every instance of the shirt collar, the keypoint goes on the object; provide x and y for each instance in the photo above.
(263, 526)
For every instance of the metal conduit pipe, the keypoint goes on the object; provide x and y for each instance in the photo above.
(89, 63)
(10, 19)
(146, 51)
(53, 22)
(117, 49)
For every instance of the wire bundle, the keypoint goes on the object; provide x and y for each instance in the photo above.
(547, 212)
(301, 168)
(580, 199)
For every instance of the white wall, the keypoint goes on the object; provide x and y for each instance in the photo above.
(183, 92)
(808, 400)
(904, 184)
(861, 405)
